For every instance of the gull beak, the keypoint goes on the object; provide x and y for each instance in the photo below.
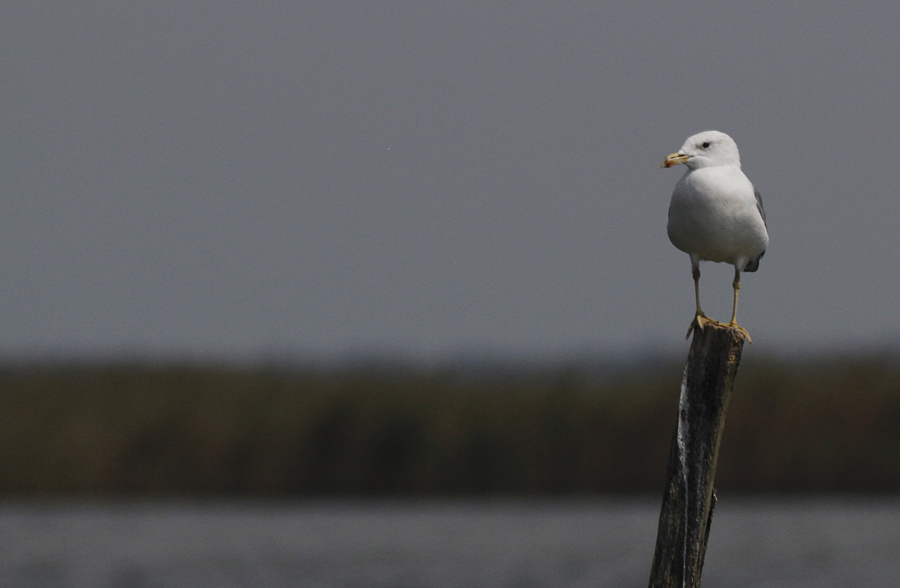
(675, 159)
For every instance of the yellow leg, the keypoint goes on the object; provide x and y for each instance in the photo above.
(700, 318)
(737, 288)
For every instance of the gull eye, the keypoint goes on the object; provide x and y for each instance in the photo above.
(705, 145)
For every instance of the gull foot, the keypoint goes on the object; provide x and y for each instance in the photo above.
(740, 329)
(701, 320)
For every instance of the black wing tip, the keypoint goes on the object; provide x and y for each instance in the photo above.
(753, 264)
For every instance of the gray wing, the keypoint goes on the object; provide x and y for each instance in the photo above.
(759, 206)
(753, 265)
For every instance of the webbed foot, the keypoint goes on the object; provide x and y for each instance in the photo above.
(701, 320)
(733, 325)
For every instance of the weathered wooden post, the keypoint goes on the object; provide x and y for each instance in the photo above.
(689, 498)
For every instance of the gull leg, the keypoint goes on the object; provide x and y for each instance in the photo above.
(700, 318)
(737, 288)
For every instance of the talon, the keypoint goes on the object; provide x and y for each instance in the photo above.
(733, 325)
(700, 321)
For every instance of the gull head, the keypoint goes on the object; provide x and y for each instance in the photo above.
(706, 149)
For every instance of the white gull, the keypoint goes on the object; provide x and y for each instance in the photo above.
(716, 214)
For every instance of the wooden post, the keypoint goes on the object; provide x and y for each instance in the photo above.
(689, 498)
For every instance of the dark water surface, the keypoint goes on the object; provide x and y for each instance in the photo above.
(755, 543)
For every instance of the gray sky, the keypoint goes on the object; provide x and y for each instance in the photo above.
(426, 178)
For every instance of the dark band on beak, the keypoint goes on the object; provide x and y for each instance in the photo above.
(675, 159)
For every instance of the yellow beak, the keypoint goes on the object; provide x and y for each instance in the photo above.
(675, 159)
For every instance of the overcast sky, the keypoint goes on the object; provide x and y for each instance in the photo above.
(236, 179)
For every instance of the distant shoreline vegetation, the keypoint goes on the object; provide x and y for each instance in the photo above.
(391, 429)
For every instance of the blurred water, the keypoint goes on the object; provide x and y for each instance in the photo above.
(534, 544)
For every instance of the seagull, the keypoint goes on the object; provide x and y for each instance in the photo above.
(716, 214)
